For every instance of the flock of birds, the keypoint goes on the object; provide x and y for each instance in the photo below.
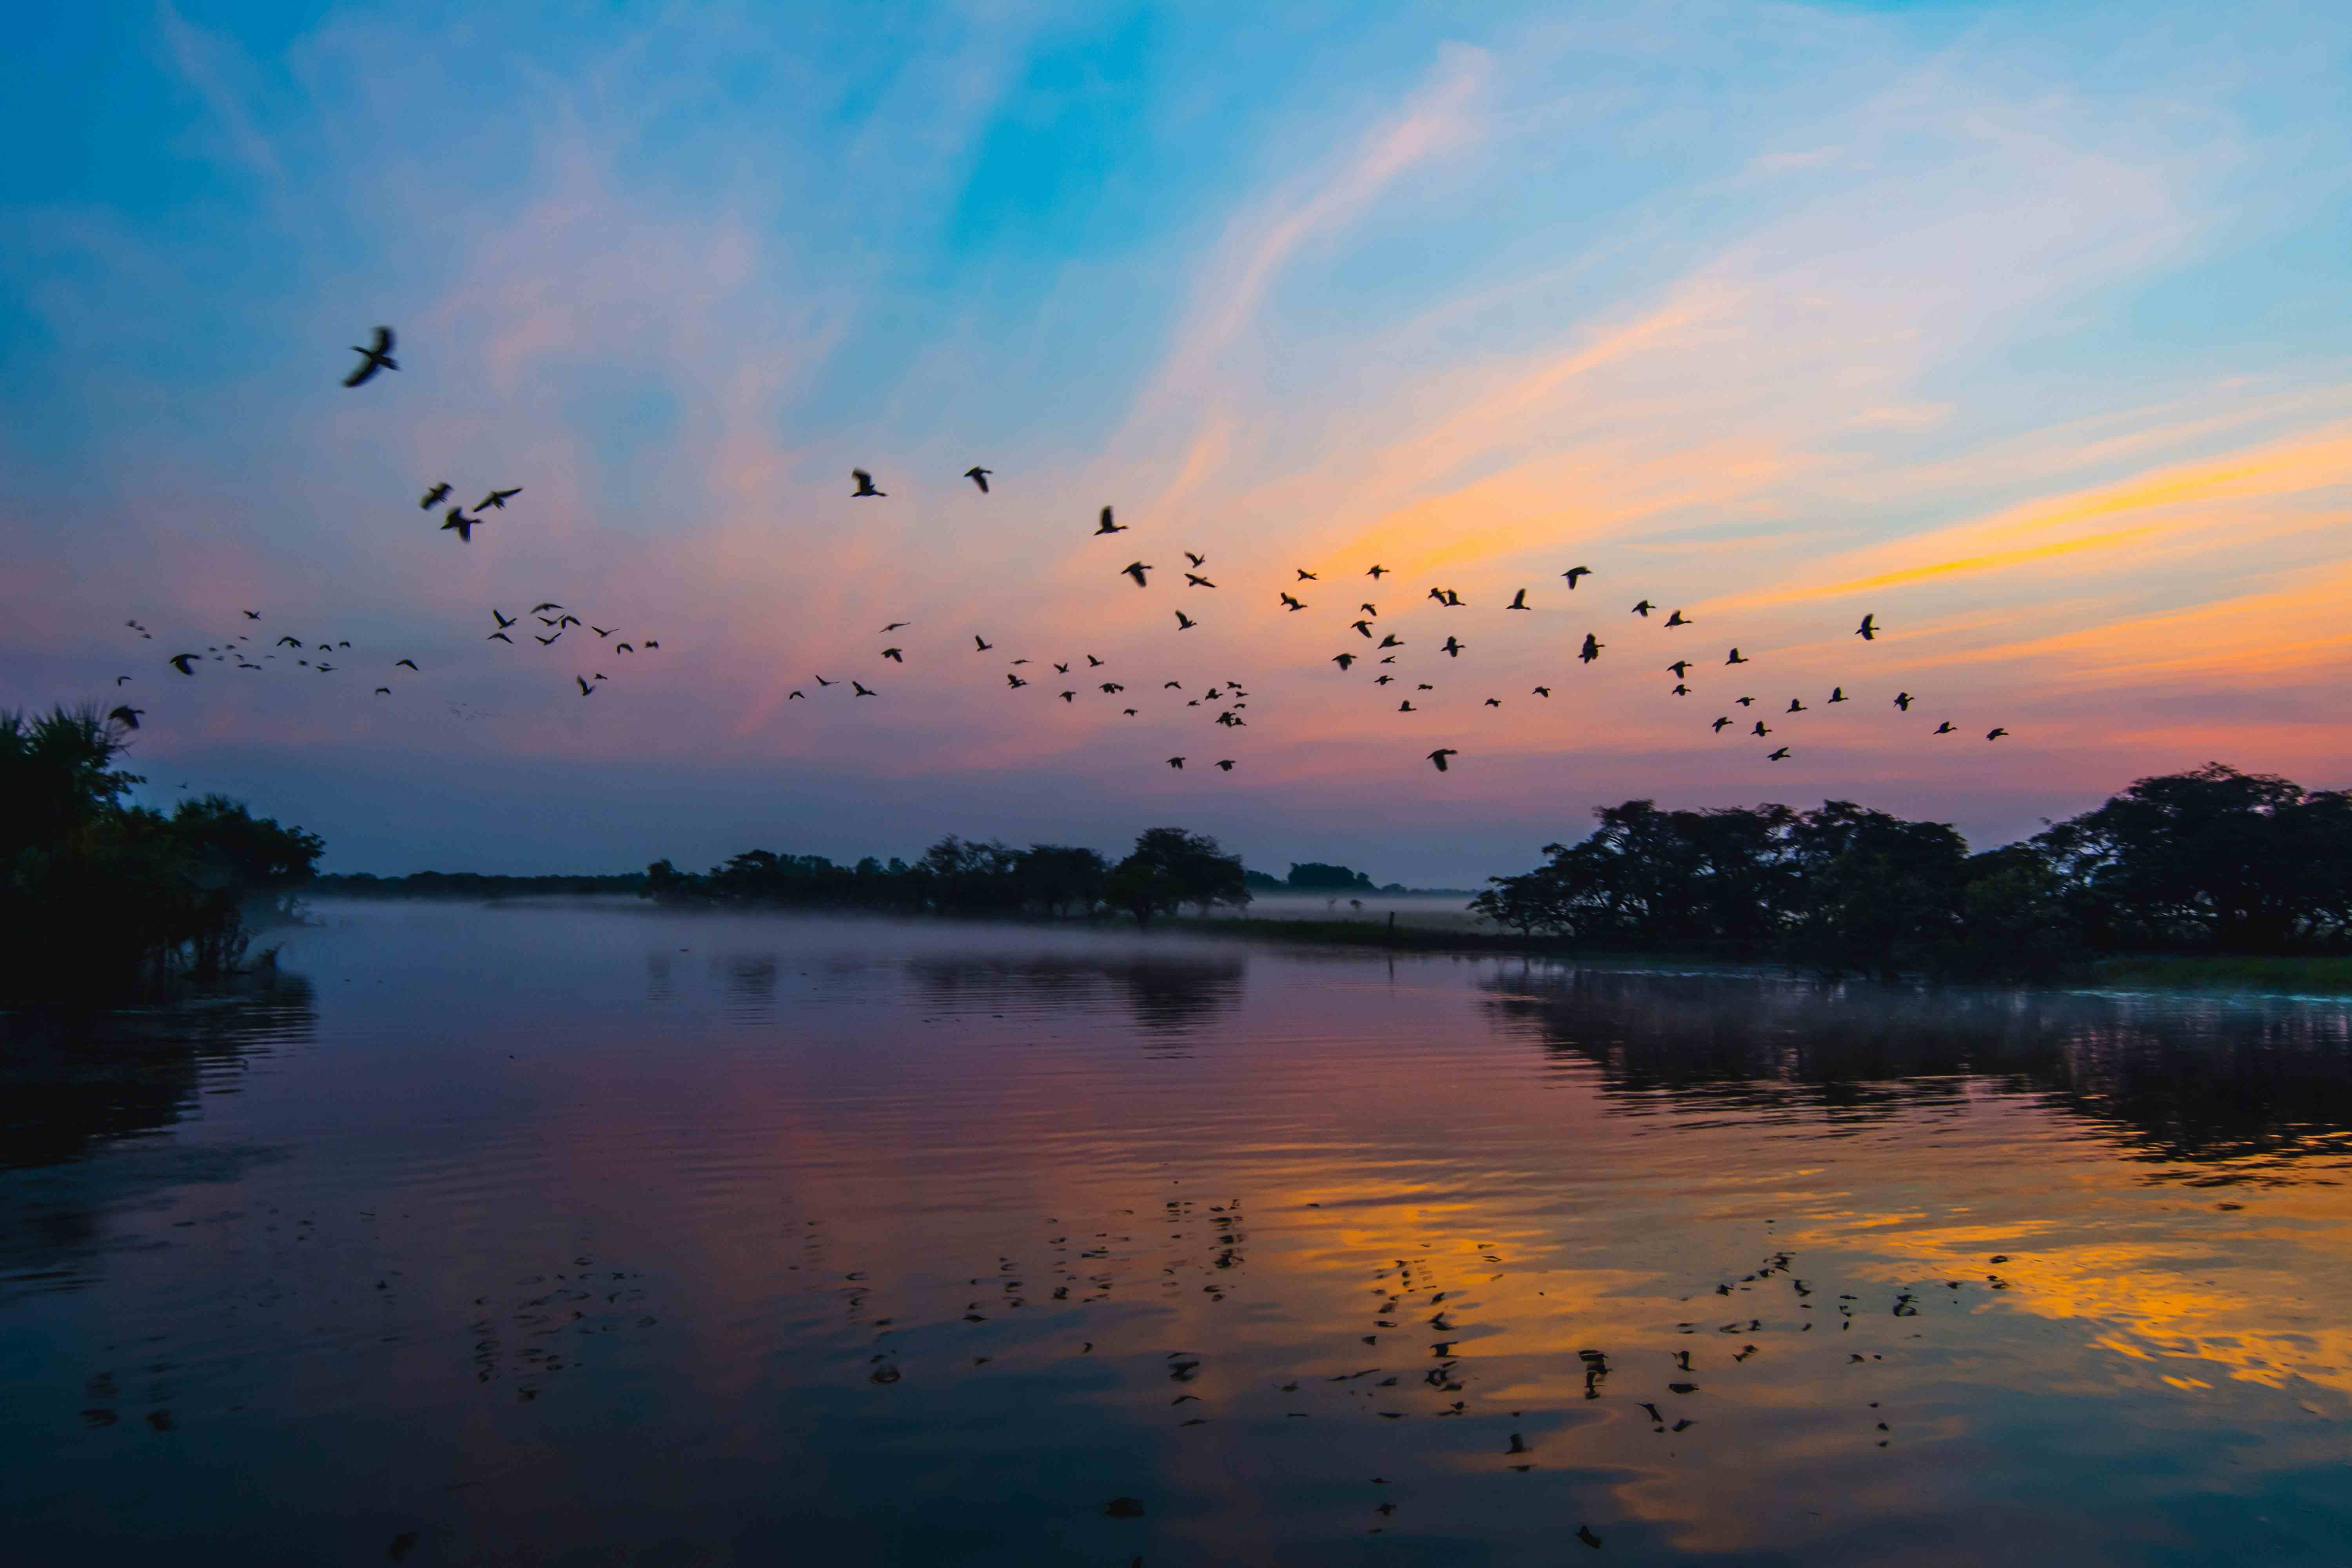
(1224, 701)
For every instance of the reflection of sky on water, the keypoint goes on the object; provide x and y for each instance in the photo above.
(635, 1235)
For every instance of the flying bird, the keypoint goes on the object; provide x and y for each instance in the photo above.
(1779, 756)
(1226, 764)
(1452, 648)
(290, 642)
(403, 664)
(1196, 559)
(1995, 734)
(383, 692)
(895, 655)
(857, 691)
(1374, 573)
(1543, 691)
(1069, 697)
(1289, 603)
(182, 662)
(865, 484)
(1795, 706)
(893, 627)
(497, 499)
(980, 644)
(253, 614)
(821, 680)
(544, 641)
(1365, 628)
(1762, 729)
(1406, 707)
(121, 680)
(434, 496)
(1176, 763)
(504, 621)
(586, 690)
(537, 609)
(1343, 660)
(1735, 657)
(1136, 569)
(1185, 623)
(1197, 582)
(500, 636)
(1745, 701)
(1718, 725)
(1592, 649)
(1943, 729)
(603, 631)
(1643, 609)
(1573, 573)
(1013, 681)
(1494, 702)
(1837, 694)
(1439, 756)
(1518, 601)
(1679, 619)
(465, 525)
(377, 358)
(1681, 690)
(126, 716)
(1305, 575)
(1903, 700)
(978, 476)
(1868, 630)
(1105, 525)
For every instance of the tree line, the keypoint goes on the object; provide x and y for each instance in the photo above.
(102, 897)
(2209, 860)
(1167, 870)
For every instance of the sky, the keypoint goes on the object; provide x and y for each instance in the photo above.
(2022, 329)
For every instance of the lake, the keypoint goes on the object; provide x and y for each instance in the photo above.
(613, 1234)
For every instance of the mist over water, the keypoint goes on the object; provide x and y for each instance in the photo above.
(597, 1235)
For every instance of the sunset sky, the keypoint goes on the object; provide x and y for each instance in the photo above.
(2024, 328)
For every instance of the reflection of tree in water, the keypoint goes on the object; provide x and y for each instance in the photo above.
(1168, 995)
(2177, 1078)
(72, 1088)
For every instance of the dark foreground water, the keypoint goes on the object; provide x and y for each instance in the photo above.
(560, 1236)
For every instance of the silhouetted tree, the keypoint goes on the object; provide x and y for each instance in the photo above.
(1315, 877)
(1170, 867)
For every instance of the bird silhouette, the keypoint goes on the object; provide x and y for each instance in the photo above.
(1518, 601)
(1226, 764)
(603, 631)
(893, 627)
(184, 662)
(1543, 691)
(623, 647)
(865, 484)
(857, 691)
(1775, 756)
(541, 608)
(1995, 734)
(383, 692)
(1718, 724)
(1176, 761)
(1494, 702)
(1762, 729)
(821, 680)
(1185, 623)
(1943, 729)
(465, 525)
(1105, 525)
(1795, 706)
(1439, 756)
(586, 690)
(1643, 609)
(1305, 575)
(1735, 657)
(290, 642)
(377, 358)
(497, 499)
(1679, 619)
(978, 476)
(126, 716)
(1197, 582)
(1014, 682)
(1903, 700)
(1136, 569)
(121, 680)
(504, 621)
(1452, 648)
(1375, 573)
(1868, 630)
(1196, 559)
(1406, 707)
(434, 496)
(1574, 573)
(1745, 701)
(980, 644)
(1837, 694)
(1093, 663)
(1363, 629)
(1592, 649)
(1289, 603)
(500, 636)
(1343, 660)
(1681, 690)
(895, 655)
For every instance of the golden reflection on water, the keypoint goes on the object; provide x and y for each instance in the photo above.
(924, 1252)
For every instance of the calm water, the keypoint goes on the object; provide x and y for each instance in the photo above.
(588, 1237)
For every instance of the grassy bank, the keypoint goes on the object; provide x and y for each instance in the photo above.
(2291, 976)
